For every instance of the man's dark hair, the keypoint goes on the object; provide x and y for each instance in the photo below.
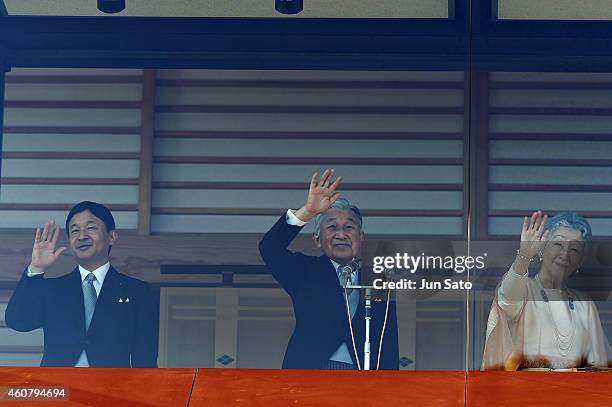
(99, 211)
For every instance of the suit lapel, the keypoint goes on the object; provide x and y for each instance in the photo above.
(111, 289)
(330, 279)
(74, 295)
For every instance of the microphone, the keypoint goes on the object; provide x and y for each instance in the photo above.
(391, 275)
(348, 269)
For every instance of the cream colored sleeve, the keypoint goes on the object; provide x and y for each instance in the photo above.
(512, 293)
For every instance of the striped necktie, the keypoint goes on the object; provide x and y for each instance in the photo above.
(353, 294)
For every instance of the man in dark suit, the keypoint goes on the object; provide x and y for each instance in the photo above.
(322, 337)
(93, 316)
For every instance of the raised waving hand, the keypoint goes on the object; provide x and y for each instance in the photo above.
(533, 239)
(321, 195)
(44, 253)
(533, 236)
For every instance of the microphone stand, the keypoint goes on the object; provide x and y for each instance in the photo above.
(368, 318)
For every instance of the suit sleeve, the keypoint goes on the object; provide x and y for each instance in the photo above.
(285, 265)
(26, 308)
(146, 337)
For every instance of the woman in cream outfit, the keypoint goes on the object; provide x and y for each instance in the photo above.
(539, 322)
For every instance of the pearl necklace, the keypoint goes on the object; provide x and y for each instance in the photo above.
(565, 341)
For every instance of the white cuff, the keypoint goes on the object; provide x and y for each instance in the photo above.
(292, 219)
(32, 274)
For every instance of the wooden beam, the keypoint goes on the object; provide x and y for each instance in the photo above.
(71, 130)
(382, 110)
(310, 84)
(69, 155)
(550, 136)
(552, 111)
(518, 213)
(300, 186)
(69, 181)
(72, 104)
(530, 85)
(146, 152)
(71, 79)
(552, 162)
(276, 211)
(551, 188)
(309, 135)
(307, 160)
(58, 207)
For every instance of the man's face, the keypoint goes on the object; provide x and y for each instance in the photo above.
(340, 237)
(563, 253)
(89, 240)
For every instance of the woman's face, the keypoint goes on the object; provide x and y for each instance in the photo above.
(563, 253)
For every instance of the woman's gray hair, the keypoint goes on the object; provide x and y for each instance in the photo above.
(341, 203)
(569, 220)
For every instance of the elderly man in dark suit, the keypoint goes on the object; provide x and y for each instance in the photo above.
(93, 316)
(322, 337)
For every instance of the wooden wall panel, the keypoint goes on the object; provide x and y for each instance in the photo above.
(550, 148)
(268, 128)
(221, 136)
(70, 135)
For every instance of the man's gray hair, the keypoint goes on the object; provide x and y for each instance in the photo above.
(341, 203)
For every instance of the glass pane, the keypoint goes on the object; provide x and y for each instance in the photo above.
(545, 304)
(232, 151)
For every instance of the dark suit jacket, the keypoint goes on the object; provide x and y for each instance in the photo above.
(319, 307)
(121, 334)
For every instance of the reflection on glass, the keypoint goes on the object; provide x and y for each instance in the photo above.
(539, 322)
